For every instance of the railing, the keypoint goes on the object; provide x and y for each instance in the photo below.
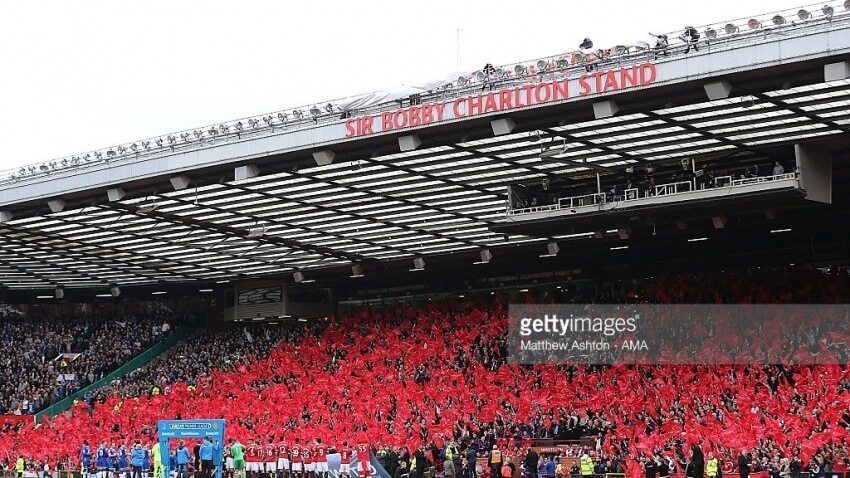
(730, 35)
(673, 188)
(134, 363)
(528, 210)
(581, 201)
(667, 189)
(763, 179)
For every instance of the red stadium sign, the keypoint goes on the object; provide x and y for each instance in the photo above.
(506, 99)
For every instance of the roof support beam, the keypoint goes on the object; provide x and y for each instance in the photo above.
(389, 165)
(401, 200)
(478, 154)
(337, 210)
(274, 221)
(41, 261)
(124, 234)
(800, 111)
(701, 131)
(231, 231)
(590, 144)
(74, 248)
(316, 230)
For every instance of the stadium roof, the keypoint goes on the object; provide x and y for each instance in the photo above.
(374, 203)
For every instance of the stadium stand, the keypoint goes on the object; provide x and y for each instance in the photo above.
(430, 375)
(52, 357)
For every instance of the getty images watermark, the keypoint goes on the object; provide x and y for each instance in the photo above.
(679, 334)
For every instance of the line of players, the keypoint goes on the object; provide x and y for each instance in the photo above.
(298, 460)
(108, 461)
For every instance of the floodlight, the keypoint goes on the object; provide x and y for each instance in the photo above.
(499, 72)
(212, 132)
(579, 57)
(752, 23)
(239, 126)
(87, 157)
(486, 255)
(543, 65)
(223, 128)
(479, 75)
(418, 264)
(134, 147)
(329, 108)
(803, 14)
(520, 70)
(147, 208)
(268, 120)
(563, 63)
(315, 111)
(621, 49)
(548, 151)
(710, 33)
(463, 81)
(253, 122)
(59, 293)
(198, 133)
(256, 232)
(146, 144)
(356, 271)
(300, 278)
(110, 153)
(730, 28)
(171, 139)
(115, 291)
(282, 117)
(778, 20)
(65, 162)
(552, 249)
(827, 11)
(98, 155)
(184, 136)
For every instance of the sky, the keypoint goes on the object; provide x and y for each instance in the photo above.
(82, 75)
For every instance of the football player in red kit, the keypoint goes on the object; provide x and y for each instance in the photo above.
(363, 457)
(270, 457)
(253, 458)
(295, 454)
(283, 459)
(320, 457)
(345, 460)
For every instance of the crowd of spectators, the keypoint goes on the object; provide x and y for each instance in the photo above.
(48, 357)
(226, 350)
(418, 377)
